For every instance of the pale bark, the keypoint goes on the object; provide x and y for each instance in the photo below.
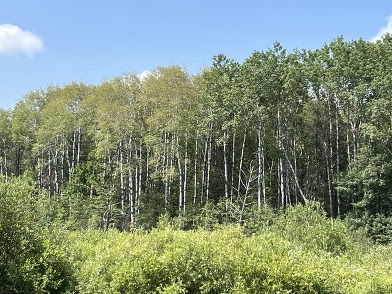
(185, 172)
(348, 138)
(208, 167)
(280, 163)
(225, 166)
(232, 169)
(166, 163)
(73, 153)
(79, 145)
(195, 171)
(49, 175)
(260, 172)
(203, 180)
(247, 187)
(171, 165)
(180, 185)
(295, 175)
(240, 166)
(122, 187)
(329, 161)
(140, 175)
(281, 182)
(295, 169)
(130, 183)
(56, 179)
(337, 155)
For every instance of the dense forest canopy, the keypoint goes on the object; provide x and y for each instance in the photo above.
(132, 186)
(278, 129)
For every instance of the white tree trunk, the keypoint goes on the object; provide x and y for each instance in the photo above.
(180, 184)
(240, 167)
(185, 172)
(226, 171)
(195, 171)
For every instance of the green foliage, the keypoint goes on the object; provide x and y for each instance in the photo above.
(29, 262)
(212, 166)
(368, 187)
(309, 226)
(298, 251)
(227, 260)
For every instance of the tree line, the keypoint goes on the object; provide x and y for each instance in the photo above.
(278, 129)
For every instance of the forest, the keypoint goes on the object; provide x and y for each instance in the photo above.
(271, 175)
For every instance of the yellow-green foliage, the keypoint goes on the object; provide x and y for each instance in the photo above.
(226, 260)
(29, 260)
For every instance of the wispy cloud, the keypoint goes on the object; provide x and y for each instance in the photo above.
(14, 40)
(383, 30)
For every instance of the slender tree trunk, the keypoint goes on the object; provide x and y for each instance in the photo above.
(240, 167)
(288, 192)
(353, 123)
(130, 183)
(247, 186)
(147, 182)
(40, 173)
(136, 181)
(122, 187)
(195, 170)
(295, 169)
(68, 163)
(203, 180)
(232, 170)
(225, 164)
(49, 175)
(62, 162)
(280, 162)
(185, 172)
(337, 155)
(79, 146)
(209, 166)
(140, 174)
(73, 153)
(180, 184)
(330, 157)
(260, 167)
(294, 174)
(348, 137)
(171, 164)
(56, 178)
(281, 182)
(166, 170)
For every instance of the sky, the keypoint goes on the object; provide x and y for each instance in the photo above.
(56, 42)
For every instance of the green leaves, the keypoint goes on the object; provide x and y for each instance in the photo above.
(29, 263)
(225, 260)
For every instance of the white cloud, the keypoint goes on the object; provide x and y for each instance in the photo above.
(144, 75)
(384, 30)
(14, 40)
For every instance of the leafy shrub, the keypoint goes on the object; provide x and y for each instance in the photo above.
(29, 263)
(309, 226)
(225, 260)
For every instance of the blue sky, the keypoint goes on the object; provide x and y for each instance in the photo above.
(56, 42)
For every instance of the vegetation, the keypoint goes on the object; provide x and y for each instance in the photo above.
(269, 176)
(299, 250)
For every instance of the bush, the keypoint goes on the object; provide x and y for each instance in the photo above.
(227, 260)
(308, 226)
(29, 263)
